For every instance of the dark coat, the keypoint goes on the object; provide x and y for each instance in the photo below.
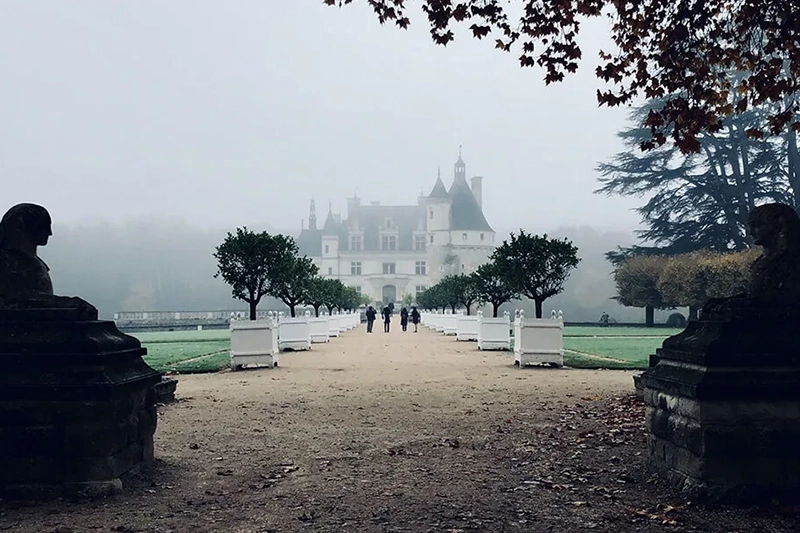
(415, 316)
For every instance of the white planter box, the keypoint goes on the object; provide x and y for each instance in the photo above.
(450, 324)
(494, 333)
(294, 333)
(254, 342)
(333, 326)
(467, 328)
(538, 341)
(318, 329)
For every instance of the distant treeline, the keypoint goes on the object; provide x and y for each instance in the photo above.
(148, 265)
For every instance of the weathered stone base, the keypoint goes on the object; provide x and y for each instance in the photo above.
(77, 409)
(724, 434)
(165, 389)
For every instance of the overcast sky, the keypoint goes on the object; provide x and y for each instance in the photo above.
(223, 113)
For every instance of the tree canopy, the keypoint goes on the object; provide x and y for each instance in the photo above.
(249, 262)
(537, 267)
(702, 201)
(257, 264)
(495, 287)
(678, 50)
(661, 282)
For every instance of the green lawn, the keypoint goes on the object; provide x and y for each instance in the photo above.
(611, 331)
(634, 351)
(187, 352)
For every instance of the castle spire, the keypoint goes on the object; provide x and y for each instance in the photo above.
(312, 216)
(460, 168)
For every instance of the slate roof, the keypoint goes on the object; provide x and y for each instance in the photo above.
(309, 242)
(465, 213)
(439, 190)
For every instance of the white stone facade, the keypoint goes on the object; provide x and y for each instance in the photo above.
(388, 252)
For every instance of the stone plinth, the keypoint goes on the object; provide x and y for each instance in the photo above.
(723, 406)
(77, 405)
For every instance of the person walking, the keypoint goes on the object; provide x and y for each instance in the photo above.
(387, 318)
(415, 318)
(370, 318)
(404, 319)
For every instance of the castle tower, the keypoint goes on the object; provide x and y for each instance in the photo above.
(312, 216)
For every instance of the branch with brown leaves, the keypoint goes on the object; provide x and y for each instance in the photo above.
(681, 50)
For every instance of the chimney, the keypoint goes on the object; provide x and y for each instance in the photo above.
(477, 190)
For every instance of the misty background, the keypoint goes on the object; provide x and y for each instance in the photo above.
(149, 129)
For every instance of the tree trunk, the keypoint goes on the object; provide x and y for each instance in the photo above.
(453, 308)
(253, 304)
(330, 309)
(793, 167)
(693, 312)
(291, 311)
(468, 304)
(649, 316)
(495, 308)
(538, 308)
(316, 310)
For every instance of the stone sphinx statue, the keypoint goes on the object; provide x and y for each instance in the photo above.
(24, 278)
(775, 275)
(76, 392)
(722, 395)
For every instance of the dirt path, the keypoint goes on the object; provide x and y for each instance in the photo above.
(389, 433)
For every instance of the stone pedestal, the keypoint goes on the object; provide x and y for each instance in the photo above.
(723, 406)
(77, 405)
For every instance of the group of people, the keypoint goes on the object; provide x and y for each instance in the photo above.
(386, 314)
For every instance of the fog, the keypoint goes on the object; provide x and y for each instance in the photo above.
(150, 128)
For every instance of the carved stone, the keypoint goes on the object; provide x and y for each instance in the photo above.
(77, 403)
(723, 396)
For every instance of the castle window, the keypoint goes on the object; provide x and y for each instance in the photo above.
(389, 243)
(330, 271)
(355, 268)
(431, 238)
(420, 290)
(389, 268)
(326, 249)
(388, 223)
(431, 212)
(355, 243)
(419, 243)
(419, 268)
(481, 236)
(463, 236)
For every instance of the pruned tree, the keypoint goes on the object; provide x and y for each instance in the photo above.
(536, 266)
(678, 50)
(334, 294)
(468, 290)
(682, 281)
(450, 291)
(319, 292)
(637, 284)
(243, 262)
(291, 279)
(495, 286)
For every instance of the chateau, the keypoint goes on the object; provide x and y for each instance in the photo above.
(389, 251)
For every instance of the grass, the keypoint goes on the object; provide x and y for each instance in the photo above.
(186, 352)
(611, 331)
